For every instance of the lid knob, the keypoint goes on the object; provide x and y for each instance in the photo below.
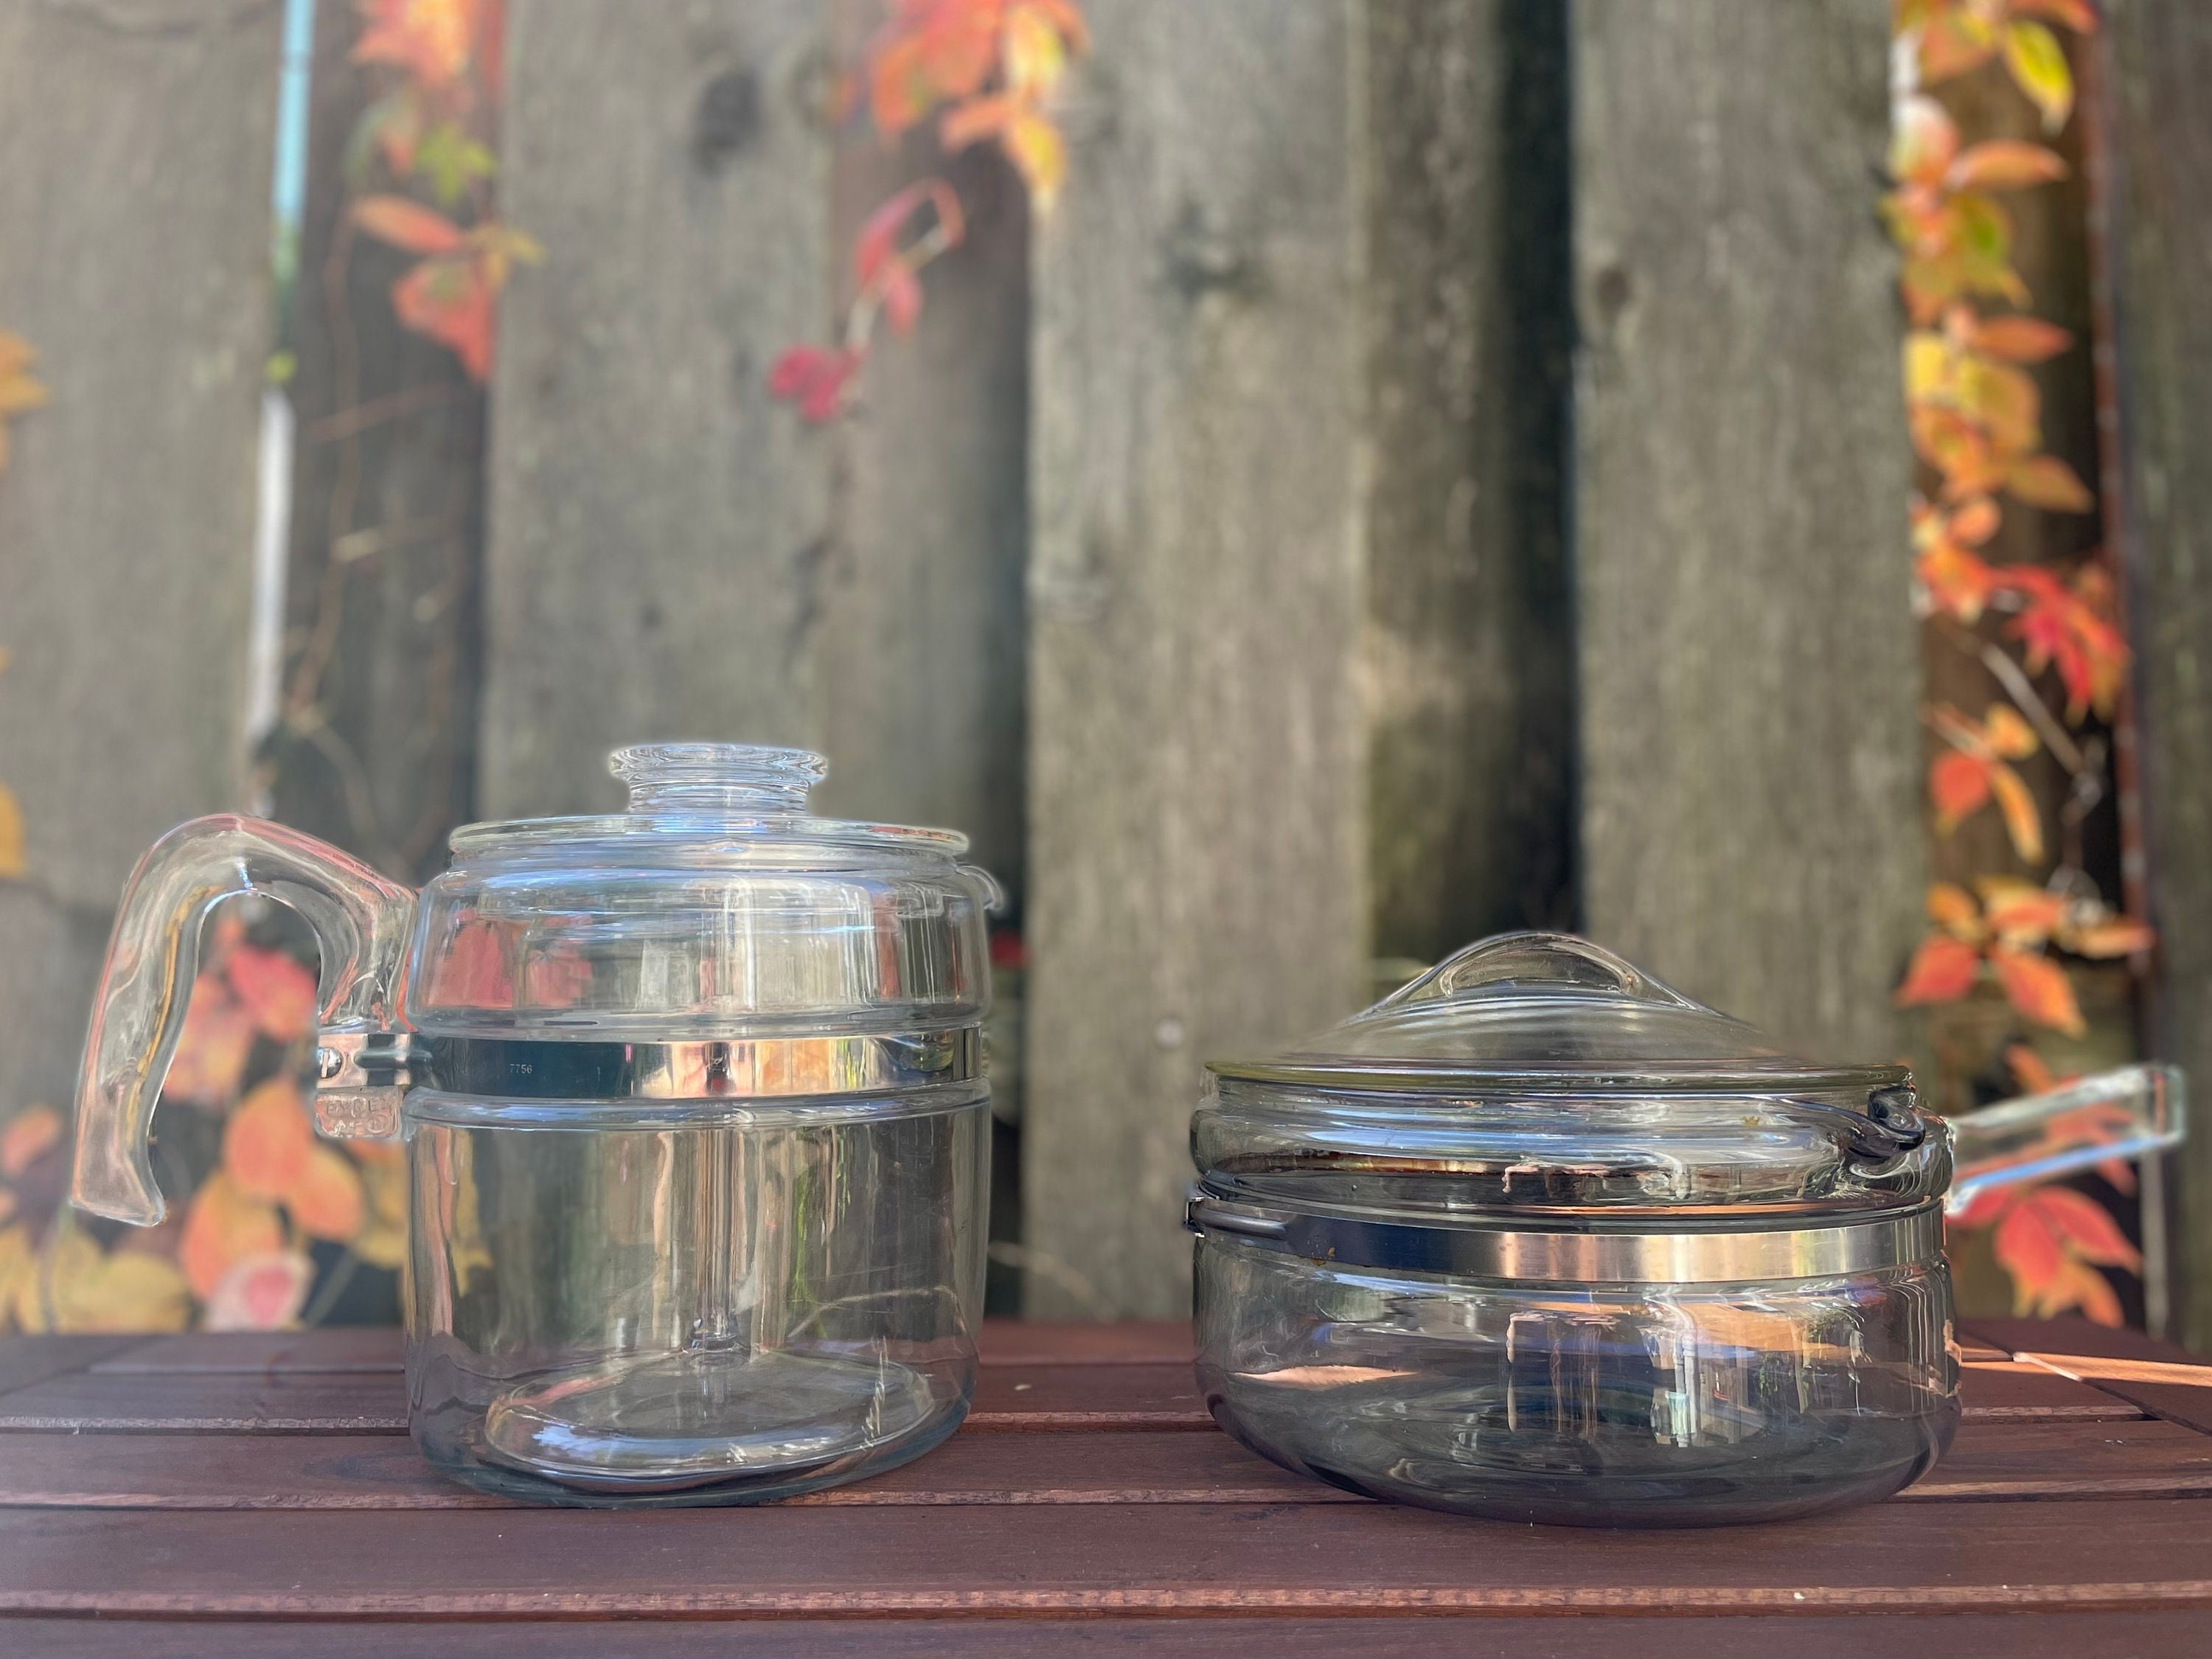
(748, 780)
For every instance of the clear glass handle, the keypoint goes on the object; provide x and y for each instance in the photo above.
(2129, 1113)
(361, 922)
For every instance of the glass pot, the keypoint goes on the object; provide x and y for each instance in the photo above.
(696, 1130)
(1538, 1238)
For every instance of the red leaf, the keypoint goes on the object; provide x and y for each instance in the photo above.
(277, 991)
(815, 378)
(2084, 1226)
(1959, 785)
(2038, 988)
(1943, 969)
(901, 298)
(451, 302)
(2028, 1249)
(408, 225)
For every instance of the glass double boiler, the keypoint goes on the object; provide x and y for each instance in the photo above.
(697, 1131)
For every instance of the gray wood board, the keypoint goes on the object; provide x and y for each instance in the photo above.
(1752, 824)
(2160, 130)
(1470, 650)
(135, 256)
(1198, 835)
(675, 554)
(378, 750)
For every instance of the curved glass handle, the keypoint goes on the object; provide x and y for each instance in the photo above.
(2129, 1113)
(361, 922)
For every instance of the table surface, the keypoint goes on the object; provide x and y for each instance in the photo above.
(252, 1495)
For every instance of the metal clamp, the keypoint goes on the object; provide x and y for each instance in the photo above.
(1486, 1250)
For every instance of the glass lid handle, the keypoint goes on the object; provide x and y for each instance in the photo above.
(735, 779)
(1538, 963)
(361, 921)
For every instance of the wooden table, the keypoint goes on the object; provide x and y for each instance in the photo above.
(243, 1496)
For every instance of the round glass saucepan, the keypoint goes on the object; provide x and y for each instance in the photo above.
(1538, 1238)
(696, 1130)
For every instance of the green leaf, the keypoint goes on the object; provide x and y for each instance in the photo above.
(2037, 63)
(452, 161)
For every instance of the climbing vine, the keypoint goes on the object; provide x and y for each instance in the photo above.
(2045, 636)
(984, 69)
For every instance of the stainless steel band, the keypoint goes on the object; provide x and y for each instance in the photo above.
(364, 1073)
(1576, 1258)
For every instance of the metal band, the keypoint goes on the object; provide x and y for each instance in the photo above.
(1488, 1252)
(540, 1070)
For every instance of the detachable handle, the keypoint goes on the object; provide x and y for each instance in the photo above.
(2125, 1114)
(362, 923)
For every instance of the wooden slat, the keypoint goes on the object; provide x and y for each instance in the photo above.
(1468, 287)
(1134, 1395)
(2160, 137)
(1081, 1342)
(1198, 847)
(136, 260)
(2159, 1378)
(334, 1348)
(23, 1363)
(2044, 1634)
(1989, 1461)
(1752, 820)
(864, 1560)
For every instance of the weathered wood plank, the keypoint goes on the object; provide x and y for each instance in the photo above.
(2042, 1634)
(1752, 821)
(135, 256)
(2160, 143)
(658, 526)
(1198, 846)
(375, 747)
(2001, 1461)
(22, 1364)
(875, 1560)
(1470, 650)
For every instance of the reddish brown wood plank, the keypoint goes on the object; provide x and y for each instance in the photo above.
(1085, 1342)
(2011, 1390)
(336, 1348)
(2009, 1461)
(1134, 1396)
(25, 1360)
(868, 1561)
(2171, 1634)
(2165, 1381)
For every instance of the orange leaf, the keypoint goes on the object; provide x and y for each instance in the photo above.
(224, 1226)
(2080, 1286)
(2119, 935)
(2077, 15)
(2047, 482)
(1943, 969)
(27, 1137)
(1952, 907)
(1959, 785)
(2019, 912)
(12, 865)
(1953, 43)
(2029, 1069)
(326, 1200)
(2038, 988)
(2023, 822)
(408, 225)
(430, 40)
(1957, 583)
(979, 117)
(2008, 731)
(450, 301)
(211, 1053)
(2028, 1249)
(266, 1142)
(1975, 521)
(2005, 164)
(1033, 57)
(2021, 339)
(277, 991)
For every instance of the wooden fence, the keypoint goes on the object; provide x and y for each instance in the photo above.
(1205, 555)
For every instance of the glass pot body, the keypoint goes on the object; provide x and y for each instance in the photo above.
(1538, 1238)
(694, 1116)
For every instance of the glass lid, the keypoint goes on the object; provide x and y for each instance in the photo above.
(716, 907)
(1544, 1013)
(1536, 1074)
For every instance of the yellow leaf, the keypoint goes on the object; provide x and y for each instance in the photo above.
(2038, 64)
(2022, 821)
(1034, 145)
(1033, 53)
(2008, 733)
(1927, 365)
(12, 868)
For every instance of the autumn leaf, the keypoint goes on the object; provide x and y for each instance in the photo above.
(2069, 627)
(211, 1053)
(449, 302)
(262, 1292)
(73, 1285)
(2021, 339)
(2037, 63)
(223, 1226)
(278, 991)
(1952, 907)
(1943, 969)
(1954, 41)
(2117, 936)
(815, 378)
(2037, 987)
(20, 391)
(1923, 142)
(430, 40)
(26, 1137)
(1033, 55)
(2077, 15)
(2019, 912)
(12, 865)
(2004, 164)
(2046, 483)
(409, 225)
(326, 1200)
(2087, 1230)
(2023, 820)
(1959, 786)
(267, 1141)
